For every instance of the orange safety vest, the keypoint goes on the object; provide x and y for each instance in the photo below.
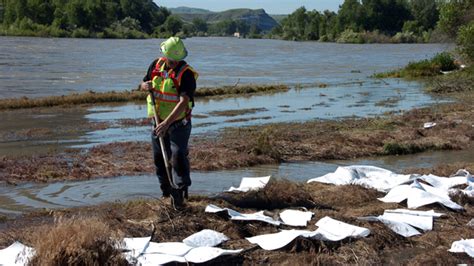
(166, 90)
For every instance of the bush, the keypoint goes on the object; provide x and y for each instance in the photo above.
(444, 62)
(80, 33)
(420, 69)
(465, 40)
(412, 26)
(375, 37)
(349, 36)
(424, 68)
(405, 37)
(265, 145)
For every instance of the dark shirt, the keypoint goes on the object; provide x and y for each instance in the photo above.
(188, 82)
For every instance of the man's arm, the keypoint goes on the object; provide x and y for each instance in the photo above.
(178, 109)
(146, 83)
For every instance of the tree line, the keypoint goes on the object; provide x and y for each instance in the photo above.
(360, 21)
(106, 19)
(357, 21)
(83, 18)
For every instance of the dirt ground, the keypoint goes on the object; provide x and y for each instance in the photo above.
(345, 203)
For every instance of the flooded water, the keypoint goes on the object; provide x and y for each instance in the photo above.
(35, 67)
(48, 66)
(28, 197)
(297, 105)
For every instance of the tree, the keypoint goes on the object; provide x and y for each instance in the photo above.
(242, 27)
(425, 13)
(200, 25)
(453, 14)
(465, 40)
(385, 15)
(173, 24)
(351, 16)
(312, 28)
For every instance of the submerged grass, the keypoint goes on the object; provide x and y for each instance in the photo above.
(237, 112)
(91, 97)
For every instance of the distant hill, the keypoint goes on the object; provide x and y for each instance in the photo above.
(256, 17)
(189, 10)
(278, 18)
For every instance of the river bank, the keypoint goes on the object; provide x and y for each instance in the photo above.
(348, 138)
(267, 144)
(138, 218)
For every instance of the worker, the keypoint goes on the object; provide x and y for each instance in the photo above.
(171, 83)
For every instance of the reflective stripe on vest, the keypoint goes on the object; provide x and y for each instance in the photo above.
(165, 88)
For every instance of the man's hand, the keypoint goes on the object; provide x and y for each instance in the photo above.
(145, 86)
(162, 128)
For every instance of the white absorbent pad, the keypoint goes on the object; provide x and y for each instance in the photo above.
(205, 238)
(151, 253)
(418, 194)
(328, 229)
(16, 254)
(235, 215)
(334, 230)
(135, 246)
(195, 255)
(405, 222)
(384, 180)
(251, 183)
(366, 176)
(295, 217)
(465, 245)
(445, 183)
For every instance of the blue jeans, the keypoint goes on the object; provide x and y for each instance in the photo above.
(176, 144)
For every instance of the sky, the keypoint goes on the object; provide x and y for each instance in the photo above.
(270, 6)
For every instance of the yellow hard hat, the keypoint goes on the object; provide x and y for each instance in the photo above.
(174, 48)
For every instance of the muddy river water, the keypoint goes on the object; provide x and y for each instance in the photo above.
(36, 67)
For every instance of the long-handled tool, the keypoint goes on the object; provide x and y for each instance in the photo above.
(162, 144)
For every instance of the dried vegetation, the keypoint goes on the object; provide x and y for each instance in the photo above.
(346, 203)
(92, 97)
(269, 144)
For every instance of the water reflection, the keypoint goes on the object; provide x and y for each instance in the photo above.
(296, 105)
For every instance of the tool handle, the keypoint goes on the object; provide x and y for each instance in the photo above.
(162, 144)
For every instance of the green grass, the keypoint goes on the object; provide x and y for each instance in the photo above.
(424, 68)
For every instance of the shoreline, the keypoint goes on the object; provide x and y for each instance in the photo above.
(91, 97)
(266, 144)
(272, 143)
(387, 40)
(138, 218)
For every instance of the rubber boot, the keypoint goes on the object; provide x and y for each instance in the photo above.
(177, 198)
(166, 191)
